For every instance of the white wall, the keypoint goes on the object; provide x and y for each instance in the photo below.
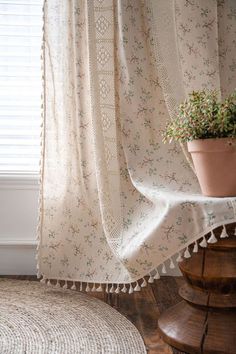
(18, 221)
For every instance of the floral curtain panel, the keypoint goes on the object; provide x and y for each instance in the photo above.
(116, 203)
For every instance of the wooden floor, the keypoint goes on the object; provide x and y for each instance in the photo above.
(143, 308)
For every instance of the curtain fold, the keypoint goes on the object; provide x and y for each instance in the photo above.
(104, 121)
(116, 203)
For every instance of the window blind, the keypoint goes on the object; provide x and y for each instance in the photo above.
(20, 85)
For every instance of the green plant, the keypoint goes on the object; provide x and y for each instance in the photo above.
(203, 116)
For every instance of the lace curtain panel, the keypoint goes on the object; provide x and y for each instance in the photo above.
(116, 203)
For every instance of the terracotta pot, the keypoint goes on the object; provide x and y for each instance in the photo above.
(215, 164)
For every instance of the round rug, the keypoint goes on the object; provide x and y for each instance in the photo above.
(35, 319)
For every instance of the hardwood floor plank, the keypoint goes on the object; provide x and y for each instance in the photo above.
(165, 291)
(141, 309)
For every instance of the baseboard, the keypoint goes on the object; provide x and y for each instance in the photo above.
(17, 257)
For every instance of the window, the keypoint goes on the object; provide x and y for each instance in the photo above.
(21, 25)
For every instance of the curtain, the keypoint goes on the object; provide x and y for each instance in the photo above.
(117, 204)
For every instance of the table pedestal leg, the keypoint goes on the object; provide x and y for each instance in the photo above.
(205, 321)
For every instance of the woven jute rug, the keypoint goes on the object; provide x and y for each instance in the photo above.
(35, 319)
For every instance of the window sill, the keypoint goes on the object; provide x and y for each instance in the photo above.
(19, 181)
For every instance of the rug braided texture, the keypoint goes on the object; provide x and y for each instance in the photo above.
(35, 319)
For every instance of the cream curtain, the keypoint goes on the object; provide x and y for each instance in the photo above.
(116, 203)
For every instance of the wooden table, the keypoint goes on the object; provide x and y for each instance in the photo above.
(205, 321)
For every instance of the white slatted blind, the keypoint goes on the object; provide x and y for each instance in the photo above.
(20, 85)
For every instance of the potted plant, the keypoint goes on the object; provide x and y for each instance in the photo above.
(209, 128)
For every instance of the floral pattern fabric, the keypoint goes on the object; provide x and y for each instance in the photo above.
(117, 203)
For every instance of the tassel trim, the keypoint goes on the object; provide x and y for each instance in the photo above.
(136, 286)
(203, 243)
(224, 233)
(212, 238)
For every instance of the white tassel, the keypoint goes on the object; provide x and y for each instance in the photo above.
(65, 286)
(163, 269)
(58, 284)
(93, 288)
(151, 279)
(137, 287)
(87, 289)
(117, 291)
(73, 286)
(144, 283)
(112, 289)
(224, 233)
(81, 286)
(99, 289)
(187, 253)
(38, 275)
(203, 243)
(131, 290)
(172, 266)
(49, 283)
(43, 280)
(212, 238)
(195, 248)
(179, 258)
(157, 275)
(107, 288)
(124, 289)
(235, 232)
